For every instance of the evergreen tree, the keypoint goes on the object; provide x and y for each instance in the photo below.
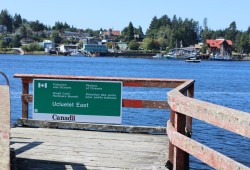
(245, 43)
(58, 26)
(23, 31)
(36, 26)
(17, 21)
(164, 21)
(154, 23)
(140, 33)
(231, 31)
(130, 31)
(6, 20)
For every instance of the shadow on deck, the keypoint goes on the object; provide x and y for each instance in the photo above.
(40, 148)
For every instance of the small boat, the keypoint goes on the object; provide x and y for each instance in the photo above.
(221, 58)
(75, 53)
(158, 56)
(193, 59)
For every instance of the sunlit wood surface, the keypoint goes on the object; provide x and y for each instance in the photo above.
(41, 148)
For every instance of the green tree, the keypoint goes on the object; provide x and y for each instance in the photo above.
(110, 45)
(59, 26)
(23, 31)
(16, 41)
(3, 45)
(35, 47)
(245, 43)
(32, 47)
(6, 19)
(90, 31)
(140, 32)
(150, 44)
(17, 21)
(146, 43)
(162, 43)
(231, 33)
(154, 23)
(139, 35)
(133, 45)
(36, 26)
(204, 49)
(128, 32)
(55, 37)
(164, 21)
(167, 32)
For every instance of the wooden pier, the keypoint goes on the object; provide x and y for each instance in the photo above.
(41, 148)
(70, 145)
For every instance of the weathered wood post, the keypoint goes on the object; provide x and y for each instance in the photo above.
(25, 104)
(190, 93)
(179, 162)
(177, 158)
(5, 125)
(170, 161)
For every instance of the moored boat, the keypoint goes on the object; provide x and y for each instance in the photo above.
(193, 59)
(158, 56)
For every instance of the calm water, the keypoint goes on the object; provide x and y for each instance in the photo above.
(223, 83)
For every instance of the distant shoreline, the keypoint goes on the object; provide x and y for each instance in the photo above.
(115, 55)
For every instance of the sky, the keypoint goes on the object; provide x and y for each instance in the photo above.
(117, 14)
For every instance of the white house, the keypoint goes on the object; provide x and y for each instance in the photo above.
(47, 44)
(67, 49)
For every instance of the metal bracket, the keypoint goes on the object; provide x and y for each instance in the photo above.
(6, 78)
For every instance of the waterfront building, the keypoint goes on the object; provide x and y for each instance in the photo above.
(95, 48)
(220, 47)
(47, 44)
(67, 48)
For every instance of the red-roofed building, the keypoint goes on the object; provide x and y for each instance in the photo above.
(220, 47)
(111, 33)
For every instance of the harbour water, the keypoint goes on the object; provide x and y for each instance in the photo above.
(223, 83)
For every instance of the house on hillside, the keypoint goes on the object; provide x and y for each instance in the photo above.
(48, 45)
(111, 34)
(219, 47)
(69, 34)
(3, 29)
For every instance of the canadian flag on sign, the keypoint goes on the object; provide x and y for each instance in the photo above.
(42, 85)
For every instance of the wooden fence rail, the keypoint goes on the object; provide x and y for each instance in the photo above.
(27, 79)
(182, 109)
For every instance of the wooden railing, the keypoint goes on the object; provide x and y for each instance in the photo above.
(182, 109)
(4, 125)
(27, 80)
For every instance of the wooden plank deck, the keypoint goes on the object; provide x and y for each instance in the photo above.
(42, 148)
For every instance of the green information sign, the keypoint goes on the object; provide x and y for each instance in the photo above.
(81, 101)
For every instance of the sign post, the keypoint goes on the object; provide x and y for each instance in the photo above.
(80, 101)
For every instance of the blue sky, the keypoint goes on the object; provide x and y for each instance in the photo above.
(117, 14)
